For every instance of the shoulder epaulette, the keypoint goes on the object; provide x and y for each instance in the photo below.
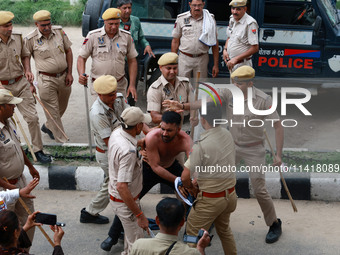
(183, 79)
(156, 84)
(16, 33)
(124, 31)
(32, 34)
(182, 14)
(119, 94)
(57, 27)
(94, 31)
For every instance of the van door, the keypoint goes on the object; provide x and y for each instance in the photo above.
(287, 46)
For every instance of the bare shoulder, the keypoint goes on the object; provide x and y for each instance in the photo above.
(184, 138)
(152, 136)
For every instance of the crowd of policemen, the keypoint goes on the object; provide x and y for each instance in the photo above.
(112, 49)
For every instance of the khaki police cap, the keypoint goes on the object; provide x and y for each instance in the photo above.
(105, 84)
(169, 58)
(243, 73)
(133, 115)
(111, 13)
(238, 3)
(6, 97)
(42, 15)
(5, 17)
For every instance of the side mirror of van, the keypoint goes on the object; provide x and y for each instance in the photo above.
(317, 26)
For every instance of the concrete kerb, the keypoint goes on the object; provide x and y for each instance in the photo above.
(302, 186)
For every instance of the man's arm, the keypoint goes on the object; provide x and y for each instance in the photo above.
(224, 51)
(175, 44)
(126, 196)
(69, 60)
(33, 171)
(156, 117)
(26, 62)
(132, 65)
(279, 135)
(235, 60)
(216, 56)
(81, 62)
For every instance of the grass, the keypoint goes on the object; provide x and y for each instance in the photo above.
(62, 13)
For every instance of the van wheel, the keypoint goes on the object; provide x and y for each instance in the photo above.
(154, 76)
(91, 15)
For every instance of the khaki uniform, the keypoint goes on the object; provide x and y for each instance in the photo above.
(162, 90)
(189, 30)
(160, 244)
(12, 167)
(103, 121)
(108, 55)
(214, 148)
(49, 55)
(11, 68)
(252, 155)
(125, 165)
(242, 34)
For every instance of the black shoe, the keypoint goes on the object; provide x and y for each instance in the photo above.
(47, 131)
(107, 244)
(274, 232)
(85, 217)
(42, 157)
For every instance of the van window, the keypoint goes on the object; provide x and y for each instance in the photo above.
(154, 9)
(331, 12)
(289, 12)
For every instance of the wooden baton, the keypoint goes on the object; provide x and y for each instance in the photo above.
(196, 98)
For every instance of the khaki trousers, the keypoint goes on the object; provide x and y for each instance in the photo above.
(99, 203)
(188, 66)
(28, 111)
(54, 94)
(132, 231)
(255, 156)
(207, 211)
(20, 210)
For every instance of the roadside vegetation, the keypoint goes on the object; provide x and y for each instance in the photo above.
(62, 12)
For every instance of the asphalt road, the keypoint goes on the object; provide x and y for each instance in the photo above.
(313, 230)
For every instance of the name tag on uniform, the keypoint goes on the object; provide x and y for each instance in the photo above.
(7, 141)
(188, 25)
(101, 46)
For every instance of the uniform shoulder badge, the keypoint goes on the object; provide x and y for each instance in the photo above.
(32, 34)
(2, 136)
(101, 40)
(124, 31)
(183, 14)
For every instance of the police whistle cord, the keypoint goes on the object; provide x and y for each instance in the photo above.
(29, 213)
(49, 114)
(281, 175)
(196, 97)
(25, 137)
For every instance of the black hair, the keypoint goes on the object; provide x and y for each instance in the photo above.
(122, 2)
(171, 117)
(213, 112)
(8, 224)
(170, 212)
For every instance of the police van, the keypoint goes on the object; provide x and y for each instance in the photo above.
(297, 38)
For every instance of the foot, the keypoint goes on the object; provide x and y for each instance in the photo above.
(274, 232)
(42, 157)
(107, 244)
(47, 131)
(85, 217)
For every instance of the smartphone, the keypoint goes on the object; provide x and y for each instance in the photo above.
(46, 218)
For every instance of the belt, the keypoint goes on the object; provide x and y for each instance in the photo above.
(121, 78)
(11, 81)
(14, 181)
(100, 150)
(57, 75)
(219, 194)
(192, 55)
(243, 60)
(249, 144)
(121, 201)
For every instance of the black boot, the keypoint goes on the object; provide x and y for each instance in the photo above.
(274, 232)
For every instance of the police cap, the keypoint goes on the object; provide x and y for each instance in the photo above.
(42, 15)
(111, 13)
(243, 73)
(238, 3)
(105, 84)
(169, 58)
(5, 17)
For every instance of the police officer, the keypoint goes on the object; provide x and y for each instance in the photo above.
(249, 141)
(12, 157)
(132, 24)
(51, 50)
(168, 87)
(105, 117)
(242, 34)
(216, 198)
(108, 46)
(126, 176)
(14, 65)
(193, 54)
